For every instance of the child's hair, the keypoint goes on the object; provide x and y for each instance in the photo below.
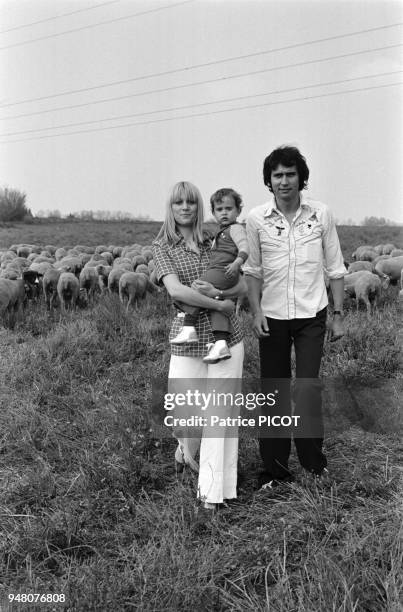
(226, 191)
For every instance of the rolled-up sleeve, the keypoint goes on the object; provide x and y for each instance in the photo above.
(164, 263)
(253, 266)
(333, 257)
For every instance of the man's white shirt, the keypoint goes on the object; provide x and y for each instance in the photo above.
(292, 259)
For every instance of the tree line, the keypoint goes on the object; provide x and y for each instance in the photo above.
(13, 208)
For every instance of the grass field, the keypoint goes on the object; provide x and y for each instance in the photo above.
(89, 502)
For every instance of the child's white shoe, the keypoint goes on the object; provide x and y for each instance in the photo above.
(187, 334)
(217, 352)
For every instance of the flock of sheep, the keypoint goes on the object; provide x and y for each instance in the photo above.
(69, 277)
(66, 277)
(373, 268)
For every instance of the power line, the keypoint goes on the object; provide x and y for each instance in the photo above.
(204, 82)
(200, 104)
(203, 65)
(95, 25)
(27, 25)
(217, 112)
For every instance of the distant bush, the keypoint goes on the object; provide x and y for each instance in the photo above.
(12, 205)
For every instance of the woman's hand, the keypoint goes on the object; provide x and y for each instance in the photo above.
(204, 287)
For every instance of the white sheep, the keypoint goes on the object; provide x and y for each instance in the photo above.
(357, 253)
(365, 286)
(12, 298)
(396, 252)
(391, 267)
(68, 289)
(114, 277)
(356, 266)
(49, 284)
(133, 286)
(89, 282)
(387, 249)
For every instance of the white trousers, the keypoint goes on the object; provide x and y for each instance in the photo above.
(218, 455)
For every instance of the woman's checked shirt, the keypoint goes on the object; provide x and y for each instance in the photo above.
(178, 259)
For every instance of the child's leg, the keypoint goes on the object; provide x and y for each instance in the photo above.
(188, 332)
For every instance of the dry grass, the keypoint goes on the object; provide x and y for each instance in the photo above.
(91, 507)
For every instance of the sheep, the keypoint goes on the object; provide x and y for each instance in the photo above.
(103, 273)
(147, 254)
(378, 249)
(356, 266)
(143, 268)
(49, 284)
(60, 253)
(117, 251)
(69, 264)
(396, 252)
(357, 253)
(89, 281)
(137, 260)
(365, 286)
(68, 289)
(108, 257)
(387, 249)
(367, 255)
(379, 258)
(23, 251)
(391, 267)
(12, 299)
(114, 277)
(133, 286)
(50, 248)
(101, 248)
(33, 283)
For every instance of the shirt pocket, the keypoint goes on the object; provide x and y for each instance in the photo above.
(308, 240)
(273, 245)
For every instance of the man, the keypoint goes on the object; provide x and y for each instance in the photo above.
(293, 242)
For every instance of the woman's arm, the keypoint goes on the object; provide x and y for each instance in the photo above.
(206, 288)
(182, 293)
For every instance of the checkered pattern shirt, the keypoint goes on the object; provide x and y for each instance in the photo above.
(178, 259)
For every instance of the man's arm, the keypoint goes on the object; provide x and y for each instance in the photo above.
(260, 326)
(337, 325)
(254, 275)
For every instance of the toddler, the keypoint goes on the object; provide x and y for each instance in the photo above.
(229, 252)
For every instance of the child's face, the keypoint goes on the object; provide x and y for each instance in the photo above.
(226, 211)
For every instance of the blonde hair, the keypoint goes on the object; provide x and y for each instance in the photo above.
(182, 191)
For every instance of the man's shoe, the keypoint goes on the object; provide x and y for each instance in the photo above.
(186, 335)
(217, 352)
(320, 476)
(273, 483)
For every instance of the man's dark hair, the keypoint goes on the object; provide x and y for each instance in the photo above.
(226, 191)
(286, 156)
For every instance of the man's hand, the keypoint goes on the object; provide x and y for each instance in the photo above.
(204, 287)
(232, 270)
(227, 307)
(260, 326)
(336, 328)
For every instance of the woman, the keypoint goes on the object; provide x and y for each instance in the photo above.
(181, 255)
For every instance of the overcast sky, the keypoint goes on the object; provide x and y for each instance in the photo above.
(224, 61)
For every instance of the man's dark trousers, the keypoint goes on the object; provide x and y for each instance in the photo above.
(275, 363)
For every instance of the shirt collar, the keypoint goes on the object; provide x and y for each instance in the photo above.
(272, 208)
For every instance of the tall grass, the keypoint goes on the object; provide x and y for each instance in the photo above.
(90, 504)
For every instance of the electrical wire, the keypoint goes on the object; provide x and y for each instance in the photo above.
(203, 65)
(95, 25)
(198, 115)
(33, 23)
(200, 104)
(204, 82)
